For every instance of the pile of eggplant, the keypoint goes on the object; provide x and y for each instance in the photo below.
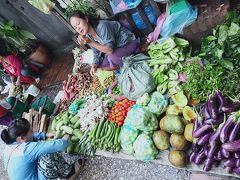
(216, 134)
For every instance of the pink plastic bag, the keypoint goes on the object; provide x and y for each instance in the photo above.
(153, 37)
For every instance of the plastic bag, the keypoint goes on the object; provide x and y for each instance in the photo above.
(157, 104)
(141, 119)
(175, 22)
(76, 105)
(123, 5)
(144, 148)
(43, 5)
(136, 78)
(127, 137)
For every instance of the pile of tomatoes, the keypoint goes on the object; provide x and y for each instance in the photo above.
(119, 112)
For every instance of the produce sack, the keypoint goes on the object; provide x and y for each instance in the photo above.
(43, 5)
(141, 119)
(136, 78)
(144, 148)
(127, 136)
(157, 104)
(174, 23)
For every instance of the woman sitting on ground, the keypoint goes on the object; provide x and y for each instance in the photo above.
(108, 39)
(26, 158)
(18, 73)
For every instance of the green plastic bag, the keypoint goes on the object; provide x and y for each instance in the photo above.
(144, 148)
(136, 78)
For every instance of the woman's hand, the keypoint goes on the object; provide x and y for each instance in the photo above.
(18, 82)
(50, 135)
(93, 69)
(82, 40)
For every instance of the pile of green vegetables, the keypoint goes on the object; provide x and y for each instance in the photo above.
(224, 44)
(202, 81)
(167, 58)
(104, 136)
(66, 123)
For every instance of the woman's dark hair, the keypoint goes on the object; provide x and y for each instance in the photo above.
(3, 49)
(18, 127)
(92, 20)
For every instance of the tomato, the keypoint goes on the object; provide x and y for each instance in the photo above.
(121, 118)
(120, 123)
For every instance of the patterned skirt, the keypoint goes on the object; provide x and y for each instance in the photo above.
(53, 166)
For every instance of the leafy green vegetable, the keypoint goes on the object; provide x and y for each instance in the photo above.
(225, 42)
(231, 84)
(202, 81)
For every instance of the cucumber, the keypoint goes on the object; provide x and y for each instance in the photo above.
(67, 129)
(74, 138)
(78, 133)
(103, 129)
(53, 126)
(99, 128)
(59, 125)
(74, 119)
(77, 125)
(116, 135)
(95, 130)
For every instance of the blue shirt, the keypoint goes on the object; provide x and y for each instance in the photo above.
(111, 34)
(23, 162)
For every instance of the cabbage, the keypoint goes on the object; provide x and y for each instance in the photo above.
(144, 148)
(141, 119)
(157, 104)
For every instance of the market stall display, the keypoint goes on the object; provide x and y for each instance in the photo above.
(169, 106)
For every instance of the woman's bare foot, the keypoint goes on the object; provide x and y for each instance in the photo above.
(78, 167)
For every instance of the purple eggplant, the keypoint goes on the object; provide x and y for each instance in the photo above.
(212, 151)
(225, 153)
(204, 139)
(196, 125)
(234, 132)
(208, 164)
(221, 101)
(219, 155)
(215, 137)
(202, 130)
(238, 163)
(232, 146)
(200, 157)
(230, 162)
(212, 107)
(217, 121)
(205, 112)
(228, 108)
(227, 127)
(192, 156)
(206, 149)
(237, 170)
(229, 169)
(237, 155)
(196, 148)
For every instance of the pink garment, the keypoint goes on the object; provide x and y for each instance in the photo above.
(14, 67)
(153, 37)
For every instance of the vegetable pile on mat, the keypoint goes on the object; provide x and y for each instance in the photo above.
(216, 134)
